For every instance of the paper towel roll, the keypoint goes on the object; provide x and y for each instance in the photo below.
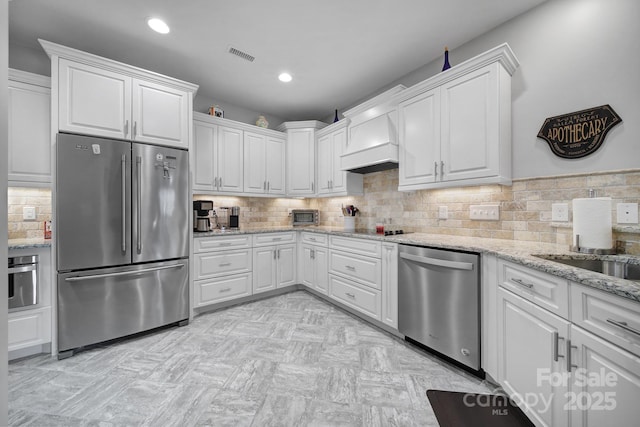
(592, 221)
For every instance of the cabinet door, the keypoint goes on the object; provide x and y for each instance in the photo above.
(338, 176)
(321, 264)
(94, 101)
(286, 271)
(275, 166)
(390, 284)
(592, 401)
(301, 161)
(419, 145)
(230, 160)
(528, 337)
(203, 155)
(264, 269)
(470, 133)
(325, 164)
(307, 266)
(29, 153)
(160, 114)
(255, 151)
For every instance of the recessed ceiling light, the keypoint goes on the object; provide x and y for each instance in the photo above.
(285, 77)
(158, 25)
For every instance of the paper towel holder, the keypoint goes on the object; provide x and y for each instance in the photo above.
(595, 251)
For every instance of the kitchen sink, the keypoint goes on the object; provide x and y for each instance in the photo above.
(608, 266)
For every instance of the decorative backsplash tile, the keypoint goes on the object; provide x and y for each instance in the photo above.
(21, 197)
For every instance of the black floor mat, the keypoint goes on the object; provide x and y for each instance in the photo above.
(457, 409)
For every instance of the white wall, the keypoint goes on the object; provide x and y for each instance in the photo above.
(4, 133)
(574, 54)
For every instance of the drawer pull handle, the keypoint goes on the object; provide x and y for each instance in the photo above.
(225, 290)
(225, 264)
(569, 364)
(350, 295)
(556, 344)
(350, 267)
(313, 239)
(523, 283)
(276, 239)
(624, 326)
(225, 243)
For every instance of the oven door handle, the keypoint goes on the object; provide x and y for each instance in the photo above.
(438, 262)
(24, 269)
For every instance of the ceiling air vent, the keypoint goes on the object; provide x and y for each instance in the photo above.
(241, 54)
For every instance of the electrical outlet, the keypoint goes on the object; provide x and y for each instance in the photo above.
(560, 212)
(28, 213)
(443, 212)
(484, 212)
(289, 211)
(627, 213)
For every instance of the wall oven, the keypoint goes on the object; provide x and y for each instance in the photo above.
(23, 281)
(305, 216)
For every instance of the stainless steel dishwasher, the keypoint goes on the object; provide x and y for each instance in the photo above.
(439, 301)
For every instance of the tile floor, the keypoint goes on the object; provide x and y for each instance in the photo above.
(290, 360)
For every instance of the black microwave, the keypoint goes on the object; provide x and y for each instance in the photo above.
(305, 216)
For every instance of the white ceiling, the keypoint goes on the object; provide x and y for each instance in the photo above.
(338, 51)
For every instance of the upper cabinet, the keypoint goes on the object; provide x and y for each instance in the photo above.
(29, 107)
(455, 128)
(217, 156)
(264, 164)
(332, 180)
(301, 156)
(97, 96)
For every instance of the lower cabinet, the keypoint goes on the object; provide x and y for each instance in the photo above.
(29, 327)
(219, 289)
(564, 367)
(274, 267)
(356, 296)
(313, 267)
(390, 284)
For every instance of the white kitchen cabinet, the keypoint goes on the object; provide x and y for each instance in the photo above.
(264, 159)
(222, 269)
(29, 107)
(610, 396)
(532, 345)
(455, 128)
(313, 261)
(390, 284)
(361, 298)
(332, 180)
(29, 328)
(217, 156)
(301, 157)
(274, 267)
(97, 96)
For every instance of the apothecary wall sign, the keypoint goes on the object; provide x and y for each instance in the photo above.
(580, 133)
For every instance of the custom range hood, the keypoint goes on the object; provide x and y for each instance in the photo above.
(372, 143)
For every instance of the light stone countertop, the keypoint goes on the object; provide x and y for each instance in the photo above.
(28, 243)
(520, 252)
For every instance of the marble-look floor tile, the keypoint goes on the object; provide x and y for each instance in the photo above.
(292, 359)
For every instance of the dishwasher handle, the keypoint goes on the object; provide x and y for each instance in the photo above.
(457, 265)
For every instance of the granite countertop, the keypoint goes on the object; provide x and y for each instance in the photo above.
(520, 252)
(28, 243)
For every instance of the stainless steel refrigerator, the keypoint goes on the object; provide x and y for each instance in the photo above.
(122, 214)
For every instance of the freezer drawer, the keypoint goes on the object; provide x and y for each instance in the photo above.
(100, 305)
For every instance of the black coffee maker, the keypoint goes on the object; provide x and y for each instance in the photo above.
(201, 210)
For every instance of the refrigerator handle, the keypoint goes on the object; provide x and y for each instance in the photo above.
(123, 164)
(139, 207)
(122, 273)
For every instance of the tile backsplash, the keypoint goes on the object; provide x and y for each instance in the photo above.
(21, 197)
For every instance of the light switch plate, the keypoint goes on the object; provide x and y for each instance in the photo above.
(484, 212)
(627, 213)
(560, 212)
(443, 212)
(28, 213)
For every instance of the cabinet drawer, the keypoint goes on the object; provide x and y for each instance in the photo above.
(611, 317)
(207, 244)
(314, 238)
(221, 263)
(366, 270)
(267, 239)
(544, 289)
(29, 327)
(226, 288)
(356, 246)
(365, 300)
